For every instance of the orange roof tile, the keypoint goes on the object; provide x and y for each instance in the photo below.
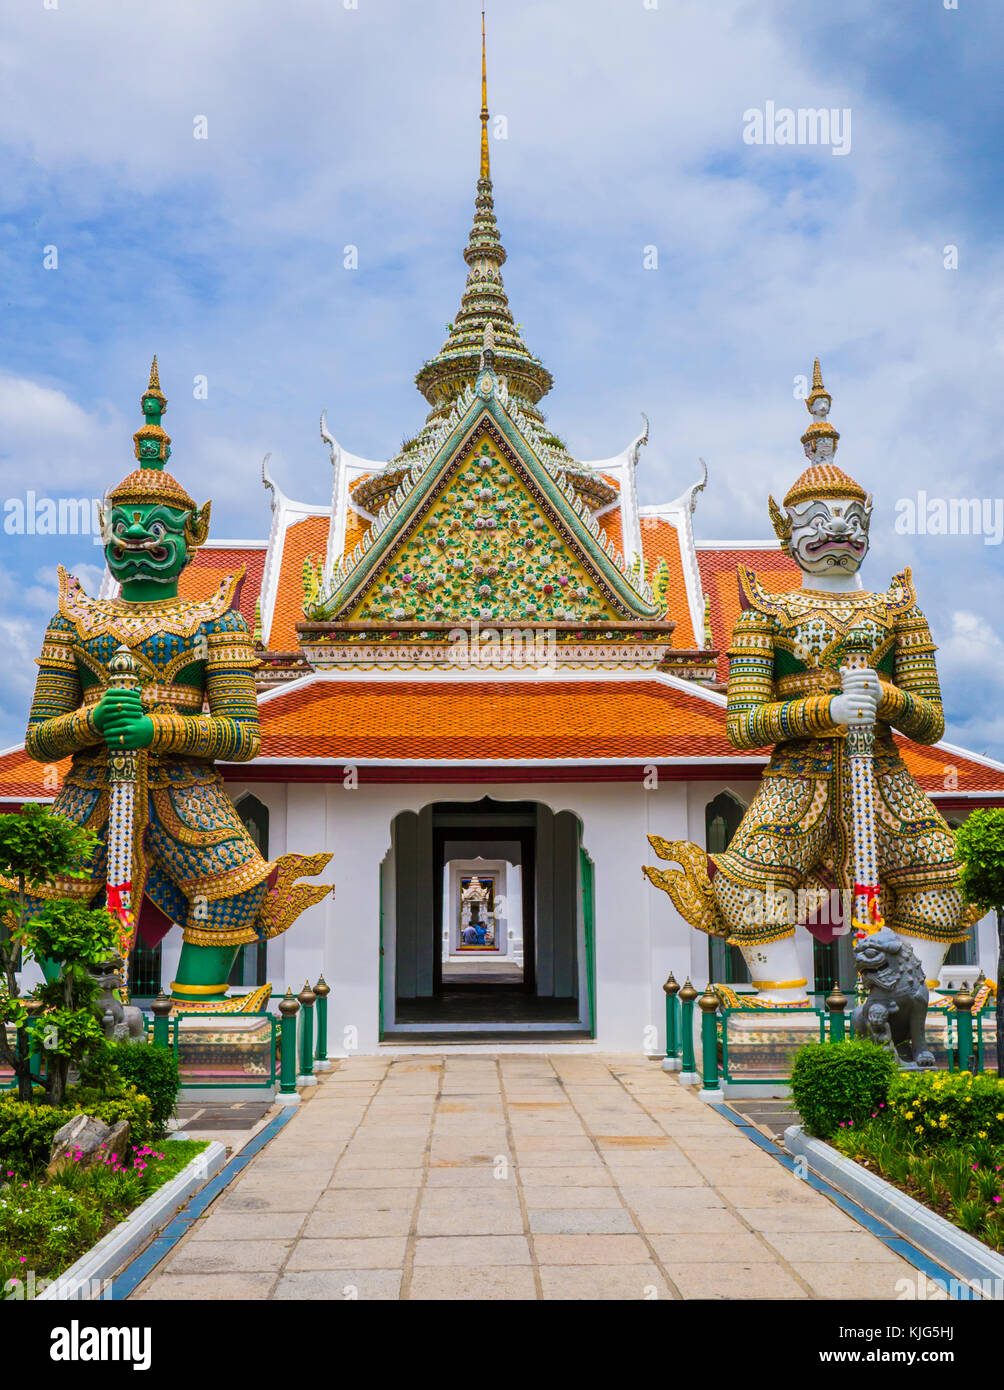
(416, 722)
(661, 541)
(356, 527)
(210, 566)
(719, 570)
(22, 779)
(611, 523)
(302, 538)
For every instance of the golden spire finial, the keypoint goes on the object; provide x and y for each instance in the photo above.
(485, 169)
(154, 375)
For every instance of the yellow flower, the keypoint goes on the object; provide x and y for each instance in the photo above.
(918, 1129)
(909, 1115)
(982, 1133)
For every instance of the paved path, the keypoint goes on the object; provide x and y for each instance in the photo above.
(520, 1177)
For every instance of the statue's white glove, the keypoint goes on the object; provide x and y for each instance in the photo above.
(859, 697)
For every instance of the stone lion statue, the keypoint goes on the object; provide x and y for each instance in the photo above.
(895, 1012)
(120, 1021)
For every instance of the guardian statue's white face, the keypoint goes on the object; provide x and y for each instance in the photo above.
(829, 535)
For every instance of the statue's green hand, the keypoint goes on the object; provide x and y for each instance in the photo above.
(138, 734)
(120, 720)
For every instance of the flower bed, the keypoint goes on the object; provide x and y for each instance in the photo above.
(939, 1137)
(48, 1223)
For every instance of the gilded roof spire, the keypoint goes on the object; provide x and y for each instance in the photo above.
(486, 172)
(458, 361)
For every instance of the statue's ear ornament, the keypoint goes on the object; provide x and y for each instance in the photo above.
(197, 526)
(781, 523)
(105, 521)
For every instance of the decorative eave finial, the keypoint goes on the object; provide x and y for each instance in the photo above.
(485, 165)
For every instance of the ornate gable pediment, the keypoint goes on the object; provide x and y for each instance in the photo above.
(487, 530)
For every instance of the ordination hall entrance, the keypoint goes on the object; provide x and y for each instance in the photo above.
(486, 924)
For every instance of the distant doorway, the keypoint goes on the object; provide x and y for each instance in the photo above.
(485, 927)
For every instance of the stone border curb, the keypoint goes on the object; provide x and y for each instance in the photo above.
(124, 1240)
(960, 1253)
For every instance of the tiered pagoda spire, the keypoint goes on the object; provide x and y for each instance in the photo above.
(484, 301)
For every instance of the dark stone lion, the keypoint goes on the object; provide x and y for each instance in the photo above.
(895, 1012)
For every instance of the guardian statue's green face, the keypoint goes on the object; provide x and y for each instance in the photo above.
(146, 542)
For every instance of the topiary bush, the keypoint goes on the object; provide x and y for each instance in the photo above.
(154, 1073)
(840, 1083)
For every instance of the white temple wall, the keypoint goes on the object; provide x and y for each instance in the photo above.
(638, 935)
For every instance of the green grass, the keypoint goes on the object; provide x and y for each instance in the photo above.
(46, 1224)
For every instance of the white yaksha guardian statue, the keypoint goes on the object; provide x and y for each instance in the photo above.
(792, 684)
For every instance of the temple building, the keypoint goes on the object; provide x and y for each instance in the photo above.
(487, 673)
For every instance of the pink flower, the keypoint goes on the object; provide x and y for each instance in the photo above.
(22, 1259)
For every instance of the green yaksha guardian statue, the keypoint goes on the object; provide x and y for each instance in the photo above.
(180, 842)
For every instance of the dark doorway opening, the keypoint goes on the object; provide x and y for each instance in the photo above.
(481, 995)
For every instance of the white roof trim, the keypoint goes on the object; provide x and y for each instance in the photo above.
(753, 762)
(737, 545)
(622, 466)
(285, 513)
(678, 514)
(345, 468)
(460, 676)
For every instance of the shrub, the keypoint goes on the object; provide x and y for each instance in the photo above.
(840, 1083)
(947, 1106)
(154, 1073)
(27, 1130)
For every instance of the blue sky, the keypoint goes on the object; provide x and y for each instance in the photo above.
(330, 126)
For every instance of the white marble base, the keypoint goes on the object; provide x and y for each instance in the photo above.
(714, 1097)
(671, 1064)
(322, 1066)
(689, 1078)
(292, 1098)
(306, 1080)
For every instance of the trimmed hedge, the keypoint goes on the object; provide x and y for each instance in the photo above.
(154, 1073)
(834, 1084)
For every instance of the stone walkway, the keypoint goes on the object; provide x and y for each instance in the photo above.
(519, 1177)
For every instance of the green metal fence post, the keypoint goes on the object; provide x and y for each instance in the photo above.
(708, 1005)
(161, 1010)
(964, 1002)
(671, 1061)
(288, 1010)
(688, 1073)
(836, 1002)
(33, 1008)
(306, 999)
(322, 989)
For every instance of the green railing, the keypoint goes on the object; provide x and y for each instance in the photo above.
(751, 1053)
(210, 1057)
(756, 1046)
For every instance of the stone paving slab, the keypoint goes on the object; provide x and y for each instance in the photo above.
(518, 1178)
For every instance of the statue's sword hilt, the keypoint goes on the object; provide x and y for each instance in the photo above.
(123, 674)
(859, 747)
